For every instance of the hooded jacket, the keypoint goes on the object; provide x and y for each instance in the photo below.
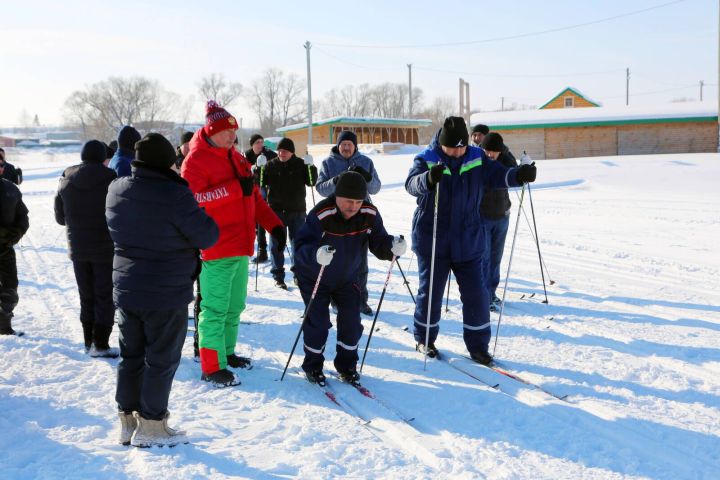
(460, 231)
(222, 182)
(80, 206)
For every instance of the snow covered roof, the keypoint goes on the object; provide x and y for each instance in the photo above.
(579, 117)
(401, 122)
(576, 92)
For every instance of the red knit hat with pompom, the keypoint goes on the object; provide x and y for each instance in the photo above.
(218, 119)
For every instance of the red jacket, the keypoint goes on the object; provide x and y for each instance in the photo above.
(213, 175)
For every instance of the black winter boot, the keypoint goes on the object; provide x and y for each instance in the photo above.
(236, 361)
(261, 256)
(6, 326)
(432, 351)
(101, 347)
(221, 379)
(87, 335)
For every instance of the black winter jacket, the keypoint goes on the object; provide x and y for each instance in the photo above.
(80, 206)
(495, 203)
(285, 183)
(157, 227)
(13, 215)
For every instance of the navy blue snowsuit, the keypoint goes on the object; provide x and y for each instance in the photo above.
(461, 241)
(325, 225)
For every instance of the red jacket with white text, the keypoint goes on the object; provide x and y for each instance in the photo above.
(215, 176)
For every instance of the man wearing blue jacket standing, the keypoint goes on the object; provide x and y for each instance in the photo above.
(345, 157)
(460, 174)
(125, 154)
(335, 232)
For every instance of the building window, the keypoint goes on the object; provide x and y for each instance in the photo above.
(569, 102)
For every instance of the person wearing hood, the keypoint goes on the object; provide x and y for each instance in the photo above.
(80, 207)
(345, 157)
(157, 227)
(125, 152)
(459, 174)
(223, 184)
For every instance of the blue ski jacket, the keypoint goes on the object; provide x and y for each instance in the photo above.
(460, 231)
(336, 164)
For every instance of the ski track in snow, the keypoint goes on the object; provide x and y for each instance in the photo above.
(631, 334)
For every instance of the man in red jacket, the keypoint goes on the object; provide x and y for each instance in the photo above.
(222, 182)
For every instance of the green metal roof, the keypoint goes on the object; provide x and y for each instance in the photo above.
(360, 121)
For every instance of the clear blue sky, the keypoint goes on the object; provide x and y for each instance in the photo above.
(49, 48)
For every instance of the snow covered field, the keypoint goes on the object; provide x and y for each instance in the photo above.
(631, 334)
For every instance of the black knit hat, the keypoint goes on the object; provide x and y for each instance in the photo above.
(286, 144)
(93, 152)
(454, 133)
(347, 135)
(493, 142)
(351, 185)
(155, 150)
(255, 137)
(480, 128)
(128, 137)
(186, 137)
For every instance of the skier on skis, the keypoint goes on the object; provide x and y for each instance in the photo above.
(461, 174)
(223, 184)
(495, 212)
(350, 224)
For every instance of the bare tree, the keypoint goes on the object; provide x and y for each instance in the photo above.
(437, 112)
(277, 99)
(216, 88)
(104, 107)
(388, 100)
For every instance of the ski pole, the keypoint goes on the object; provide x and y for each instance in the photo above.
(304, 318)
(527, 220)
(507, 276)
(377, 311)
(447, 297)
(405, 281)
(537, 242)
(432, 275)
(257, 262)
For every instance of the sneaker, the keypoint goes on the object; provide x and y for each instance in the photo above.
(110, 352)
(221, 379)
(280, 284)
(128, 424)
(482, 358)
(236, 361)
(366, 310)
(261, 256)
(316, 376)
(432, 351)
(350, 375)
(156, 433)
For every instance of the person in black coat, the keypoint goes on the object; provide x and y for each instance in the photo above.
(257, 148)
(13, 225)
(495, 213)
(285, 179)
(8, 170)
(157, 227)
(80, 206)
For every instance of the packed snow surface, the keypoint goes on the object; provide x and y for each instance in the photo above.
(631, 334)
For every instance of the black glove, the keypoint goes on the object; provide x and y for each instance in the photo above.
(366, 175)
(280, 236)
(435, 175)
(335, 179)
(247, 184)
(526, 173)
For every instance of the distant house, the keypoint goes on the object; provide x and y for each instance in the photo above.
(591, 132)
(370, 131)
(6, 142)
(569, 98)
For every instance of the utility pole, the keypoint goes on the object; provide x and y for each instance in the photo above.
(464, 94)
(467, 102)
(309, 95)
(461, 110)
(627, 86)
(701, 89)
(502, 104)
(409, 65)
(718, 99)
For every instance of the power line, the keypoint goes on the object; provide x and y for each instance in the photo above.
(551, 75)
(363, 67)
(510, 37)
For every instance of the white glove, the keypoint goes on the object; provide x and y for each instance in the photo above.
(325, 254)
(399, 246)
(261, 161)
(525, 159)
(308, 159)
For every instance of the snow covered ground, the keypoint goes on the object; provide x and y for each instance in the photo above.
(631, 334)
